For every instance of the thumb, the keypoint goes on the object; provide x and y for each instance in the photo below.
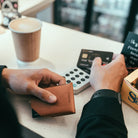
(97, 62)
(44, 95)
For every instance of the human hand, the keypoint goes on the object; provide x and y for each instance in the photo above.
(109, 76)
(30, 82)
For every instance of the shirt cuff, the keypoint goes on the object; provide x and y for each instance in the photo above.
(108, 94)
(1, 69)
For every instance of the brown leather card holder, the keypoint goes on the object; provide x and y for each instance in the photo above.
(64, 105)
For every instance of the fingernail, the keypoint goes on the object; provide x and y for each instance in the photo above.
(52, 99)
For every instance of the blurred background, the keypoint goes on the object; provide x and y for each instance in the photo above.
(111, 19)
(106, 18)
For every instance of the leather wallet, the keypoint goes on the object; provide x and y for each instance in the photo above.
(64, 105)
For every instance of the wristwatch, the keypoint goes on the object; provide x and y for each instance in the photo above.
(107, 93)
(1, 69)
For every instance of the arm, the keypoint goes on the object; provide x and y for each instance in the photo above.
(31, 82)
(23, 82)
(9, 126)
(102, 116)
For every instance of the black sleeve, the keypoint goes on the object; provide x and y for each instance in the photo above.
(102, 117)
(9, 126)
(1, 69)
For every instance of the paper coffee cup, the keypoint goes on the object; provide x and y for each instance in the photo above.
(26, 33)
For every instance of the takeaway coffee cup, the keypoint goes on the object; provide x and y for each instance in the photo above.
(26, 33)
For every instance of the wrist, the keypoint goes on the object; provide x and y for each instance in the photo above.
(107, 93)
(107, 86)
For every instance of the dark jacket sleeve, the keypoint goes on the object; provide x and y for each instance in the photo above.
(102, 117)
(9, 126)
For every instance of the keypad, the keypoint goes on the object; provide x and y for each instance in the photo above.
(78, 77)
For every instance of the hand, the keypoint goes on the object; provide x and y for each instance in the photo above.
(109, 76)
(29, 82)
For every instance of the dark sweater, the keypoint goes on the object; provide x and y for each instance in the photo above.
(102, 117)
(9, 126)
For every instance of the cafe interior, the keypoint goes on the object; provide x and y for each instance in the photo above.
(101, 23)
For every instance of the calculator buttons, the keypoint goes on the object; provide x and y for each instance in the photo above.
(74, 85)
(81, 73)
(68, 81)
(78, 82)
(72, 78)
(82, 79)
(87, 77)
(78, 77)
(67, 75)
(71, 72)
(75, 69)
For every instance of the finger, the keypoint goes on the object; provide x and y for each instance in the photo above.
(62, 81)
(115, 56)
(97, 61)
(44, 95)
(56, 78)
(119, 58)
(119, 61)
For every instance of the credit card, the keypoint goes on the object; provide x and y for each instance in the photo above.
(87, 56)
(130, 51)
